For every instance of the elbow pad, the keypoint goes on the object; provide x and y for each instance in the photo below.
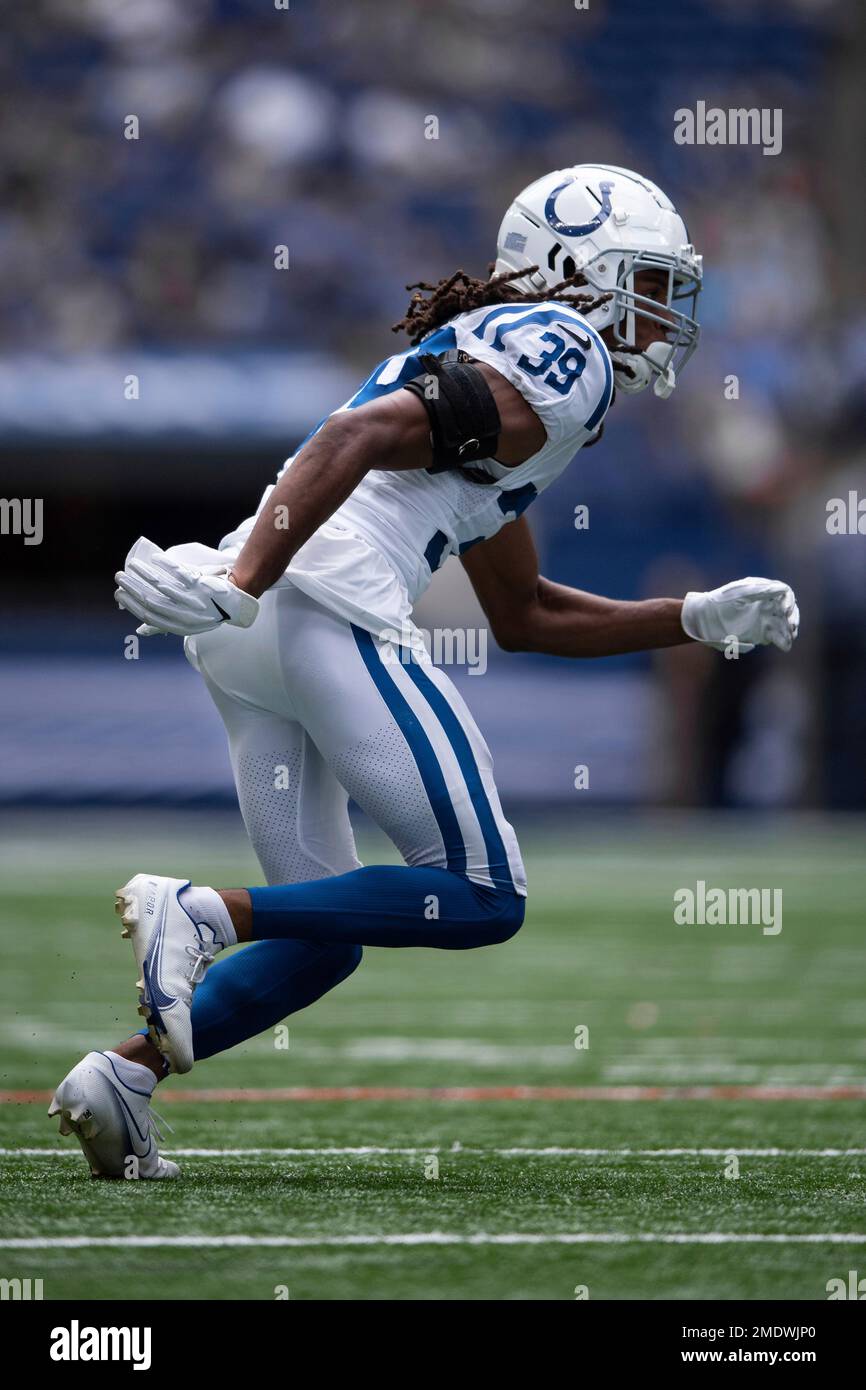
(464, 419)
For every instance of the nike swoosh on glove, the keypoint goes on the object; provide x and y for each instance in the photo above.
(742, 615)
(167, 595)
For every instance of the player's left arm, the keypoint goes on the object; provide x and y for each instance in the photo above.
(530, 613)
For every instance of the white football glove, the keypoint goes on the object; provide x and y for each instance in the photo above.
(168, 595)
(742, 615)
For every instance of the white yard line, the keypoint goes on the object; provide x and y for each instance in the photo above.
(552, 1151)
(427, 1238)
(555, 1152)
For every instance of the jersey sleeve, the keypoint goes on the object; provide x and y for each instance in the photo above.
(554, 358)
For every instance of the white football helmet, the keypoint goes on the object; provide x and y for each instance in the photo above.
(609, 223)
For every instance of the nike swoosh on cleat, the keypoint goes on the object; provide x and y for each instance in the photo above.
(159, 998)
(143, 1137)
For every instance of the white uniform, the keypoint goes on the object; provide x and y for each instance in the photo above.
(321, 700)
(373, 559)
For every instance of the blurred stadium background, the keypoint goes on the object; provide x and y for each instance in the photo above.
(260, 127)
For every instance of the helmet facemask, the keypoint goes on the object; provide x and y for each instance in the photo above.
(665, 358)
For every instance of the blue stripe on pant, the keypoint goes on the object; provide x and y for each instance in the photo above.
(497, 858)
(308, 936)
(421, 749)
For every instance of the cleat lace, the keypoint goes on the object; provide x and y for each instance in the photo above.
(157, 1124)
(201, 959)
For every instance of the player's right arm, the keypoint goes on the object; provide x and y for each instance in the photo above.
(527, 612)
(391, 432)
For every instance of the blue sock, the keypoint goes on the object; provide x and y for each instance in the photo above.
(244, 993)
(252, 989)
(309, 938)
(388, 905)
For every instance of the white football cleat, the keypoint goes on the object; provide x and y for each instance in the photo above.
(112, 1122)
(172, 952)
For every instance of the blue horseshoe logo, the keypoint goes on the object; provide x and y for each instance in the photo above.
(578, 228)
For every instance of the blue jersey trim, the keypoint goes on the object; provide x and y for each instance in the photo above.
(436, 547)
(441, 341)
(517, 500)
(607, 390)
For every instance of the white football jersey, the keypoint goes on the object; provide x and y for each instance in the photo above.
(374, 558)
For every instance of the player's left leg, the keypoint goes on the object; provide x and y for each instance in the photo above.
(296, 815)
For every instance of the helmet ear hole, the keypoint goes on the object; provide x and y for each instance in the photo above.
(568, 268)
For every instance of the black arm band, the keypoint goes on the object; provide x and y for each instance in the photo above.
(464, 420)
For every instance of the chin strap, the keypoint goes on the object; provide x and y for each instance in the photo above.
(633, 371)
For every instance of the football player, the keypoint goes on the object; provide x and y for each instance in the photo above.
(301, 626)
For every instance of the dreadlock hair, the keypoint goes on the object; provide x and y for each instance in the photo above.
(459, 293)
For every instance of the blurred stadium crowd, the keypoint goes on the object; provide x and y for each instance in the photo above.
(305, 126)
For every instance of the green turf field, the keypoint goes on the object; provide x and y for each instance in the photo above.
(363, 1194)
